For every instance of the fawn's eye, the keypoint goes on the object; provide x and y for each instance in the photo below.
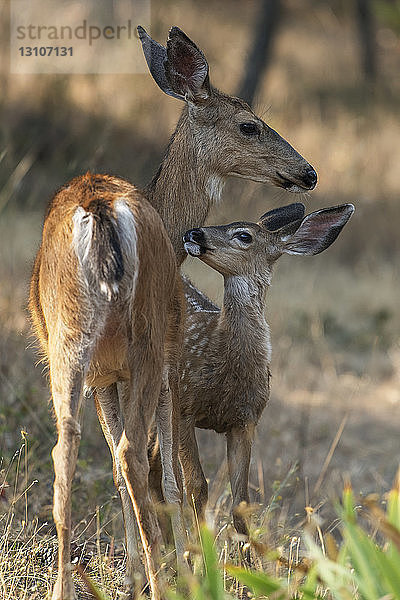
(243, 236)
(249, 128)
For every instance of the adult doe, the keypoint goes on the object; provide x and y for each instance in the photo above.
(106, 301)
(226, 357)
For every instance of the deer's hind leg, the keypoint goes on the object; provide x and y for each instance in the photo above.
(109, 414)
(67, 377)
(138, 409)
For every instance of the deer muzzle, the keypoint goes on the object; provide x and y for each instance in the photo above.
(306, 181)
(194, 242)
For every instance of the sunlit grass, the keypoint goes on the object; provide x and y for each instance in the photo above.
(359, 562)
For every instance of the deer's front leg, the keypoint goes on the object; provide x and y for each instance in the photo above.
(239, 443)
(195, 481)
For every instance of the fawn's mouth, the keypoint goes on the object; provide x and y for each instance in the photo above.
(193, 242)
(194, 249)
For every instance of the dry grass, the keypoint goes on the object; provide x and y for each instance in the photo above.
(334, 318)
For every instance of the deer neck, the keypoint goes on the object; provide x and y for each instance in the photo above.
(242, 314)
(186, 184)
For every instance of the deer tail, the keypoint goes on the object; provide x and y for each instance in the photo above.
(104, 239)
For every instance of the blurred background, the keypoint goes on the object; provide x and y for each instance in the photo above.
(326, 75)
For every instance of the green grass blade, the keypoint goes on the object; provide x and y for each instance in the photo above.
(261, 583)
(348, 504)
(393, 517)
(362, 552)
(309, 588)
(390, 572)
(363, 556)
(335, 576)
(393, 507)
(213, 577)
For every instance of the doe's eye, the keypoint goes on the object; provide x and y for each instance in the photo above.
(249, 128)
(245, 237)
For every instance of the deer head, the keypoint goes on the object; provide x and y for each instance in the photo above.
(250, 249)
(225, 130)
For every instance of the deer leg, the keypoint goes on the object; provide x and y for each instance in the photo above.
(156, 488)
(66, 389)
(195, 482)
(169, 447)
(239, 443)
(108, 411)
(155, 475)
(138, 408)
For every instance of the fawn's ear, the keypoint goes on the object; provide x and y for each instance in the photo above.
(279, 217)
(316, 232)
(181, 69)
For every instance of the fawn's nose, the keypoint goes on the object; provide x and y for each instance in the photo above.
(194, 235)
(310, 178)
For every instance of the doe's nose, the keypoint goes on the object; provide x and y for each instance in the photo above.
(194, 235)
(310, 178)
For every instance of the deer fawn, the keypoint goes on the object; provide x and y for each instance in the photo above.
(106, 302)
(226, 357)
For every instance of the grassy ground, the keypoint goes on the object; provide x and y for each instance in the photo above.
(334, 410)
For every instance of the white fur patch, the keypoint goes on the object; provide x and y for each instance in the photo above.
(214, 186)
(128, 239)
(195, 299)
(196, 307)
(82, 233)
(192, 248)
(126, 228)
(240, 288)
(107, 291)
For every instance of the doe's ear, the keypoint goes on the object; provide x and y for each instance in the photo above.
(156, 57)
(186, 68)
(180, 69)
(316, 232)
(279, 217)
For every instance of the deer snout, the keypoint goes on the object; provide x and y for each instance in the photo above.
(194, 242)
(310, 178)
(194, 235)
(298, 180)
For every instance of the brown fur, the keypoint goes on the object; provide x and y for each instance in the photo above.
(92, 339)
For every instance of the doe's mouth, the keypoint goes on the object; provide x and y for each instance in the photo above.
(291, 185)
